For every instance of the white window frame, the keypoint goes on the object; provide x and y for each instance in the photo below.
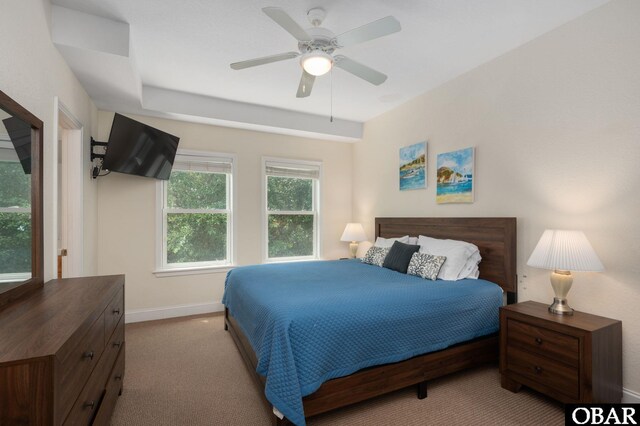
(316, 207)
(163, 268)
(5, 143)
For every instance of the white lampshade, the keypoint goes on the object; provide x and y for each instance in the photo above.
(565, 251)
(353, 232)
(317, 62)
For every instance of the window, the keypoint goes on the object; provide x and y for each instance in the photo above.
(291, 209)
(197, 215)
(15, 216)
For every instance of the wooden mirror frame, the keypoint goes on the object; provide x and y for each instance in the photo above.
(16, 290)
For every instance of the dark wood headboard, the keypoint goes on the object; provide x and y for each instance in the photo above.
(495, 237)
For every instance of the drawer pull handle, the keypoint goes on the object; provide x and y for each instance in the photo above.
(117, 344)
(538, 340)
(116, 311)
(89, 404)
(118, 377)
(89, 355)
(537, 369)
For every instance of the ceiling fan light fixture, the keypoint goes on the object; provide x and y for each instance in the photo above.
(317, 62)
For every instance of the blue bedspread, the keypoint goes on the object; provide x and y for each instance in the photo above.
(309, 322)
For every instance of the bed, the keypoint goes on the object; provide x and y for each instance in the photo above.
(293, 334)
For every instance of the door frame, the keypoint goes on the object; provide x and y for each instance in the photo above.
(64, 118)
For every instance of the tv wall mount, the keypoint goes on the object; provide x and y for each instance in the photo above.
(97, 165)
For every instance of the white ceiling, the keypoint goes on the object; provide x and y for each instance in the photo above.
(187, 46)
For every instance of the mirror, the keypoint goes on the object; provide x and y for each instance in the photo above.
(21, 267)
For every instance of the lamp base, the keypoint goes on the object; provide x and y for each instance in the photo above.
(560, 307)
(353, 248)
(561, 282)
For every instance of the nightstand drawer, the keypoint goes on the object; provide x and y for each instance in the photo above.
(543, 341)
(545, 371)
(574, 359)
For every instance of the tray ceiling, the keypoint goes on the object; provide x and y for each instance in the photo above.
(184, 48)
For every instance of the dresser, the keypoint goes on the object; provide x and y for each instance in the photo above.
(574, 359)
(62, 353)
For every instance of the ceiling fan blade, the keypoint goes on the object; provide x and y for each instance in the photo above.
(306, 84)
(359, 70)
(264, 60)
(283, 19)
(370, 31)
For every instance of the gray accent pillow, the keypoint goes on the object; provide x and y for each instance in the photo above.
(375, 256)
(399, 256)
(425, 265)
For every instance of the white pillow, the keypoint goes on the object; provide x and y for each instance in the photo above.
(413, 241)
(388, 242)
(470, 269)
(457, 253)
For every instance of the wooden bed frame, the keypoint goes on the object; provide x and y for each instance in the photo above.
(496, 239)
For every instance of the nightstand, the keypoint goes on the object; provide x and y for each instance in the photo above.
(574, 359)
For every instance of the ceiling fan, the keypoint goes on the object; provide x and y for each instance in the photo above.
(316, 46)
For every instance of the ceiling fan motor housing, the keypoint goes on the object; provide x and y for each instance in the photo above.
(321, 39)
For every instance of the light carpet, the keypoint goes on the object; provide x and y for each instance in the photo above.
(188, 372)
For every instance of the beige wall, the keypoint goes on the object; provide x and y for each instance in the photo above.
(32, 72)
(127, 209)
(556, 126)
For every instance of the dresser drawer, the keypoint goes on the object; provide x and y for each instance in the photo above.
(91, 399)
(88, 403)
(543, 341)
(545, 371)
(114, 385)
(113, 313)
(78, 364)
(114, 345)
(117, 375)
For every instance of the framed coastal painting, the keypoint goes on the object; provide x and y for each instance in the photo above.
(413, 166)
(455, 176)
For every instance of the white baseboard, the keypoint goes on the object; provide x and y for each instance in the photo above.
(630, 397)
(138, 315)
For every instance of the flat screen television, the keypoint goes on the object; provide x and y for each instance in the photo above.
(20, 135)
(137, 149)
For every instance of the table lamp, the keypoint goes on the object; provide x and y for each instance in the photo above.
(563, 252)
(353, 232)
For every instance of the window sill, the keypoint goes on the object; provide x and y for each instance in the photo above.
(194, 270)
(14, 277)
(291, 259)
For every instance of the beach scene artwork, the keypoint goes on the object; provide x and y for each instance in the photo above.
(413, 166)
(455, 177)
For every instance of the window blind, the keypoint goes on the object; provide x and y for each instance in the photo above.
(200, 164)
(292, 170)
(8, 153)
